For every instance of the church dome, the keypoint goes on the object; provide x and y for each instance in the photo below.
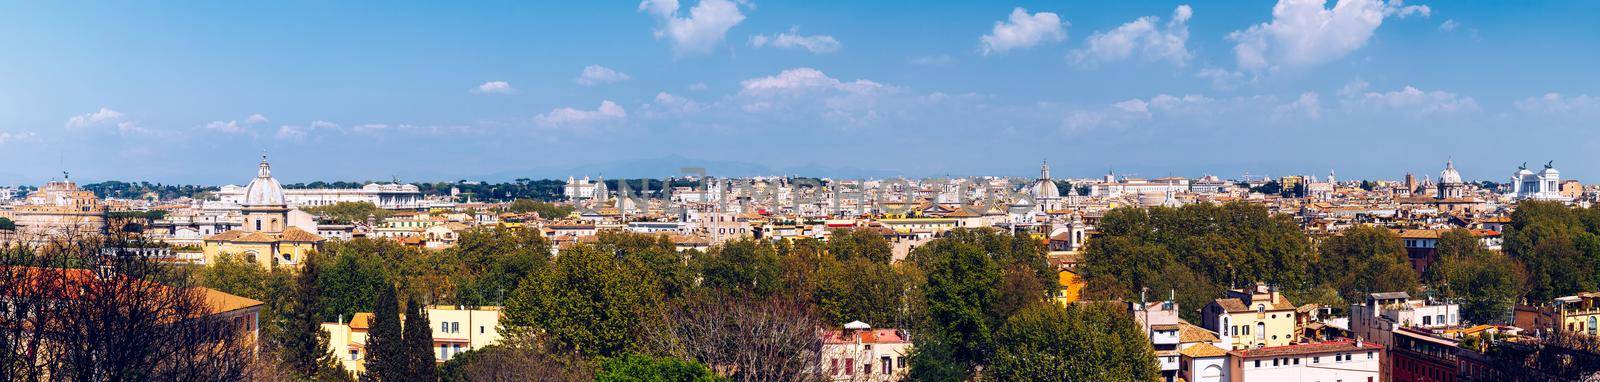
(1044, 188)
(264, 190)
(1449, 175)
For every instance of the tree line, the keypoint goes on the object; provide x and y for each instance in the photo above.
(1200, 250)
(973, 301)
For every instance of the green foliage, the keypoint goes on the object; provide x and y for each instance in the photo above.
(386, 358)
(7, 224)
(349, 212)
(654, 254)
(846, 244)
(1269, 188)
(1485, 283)
(545, 210)
(357, 274)
(1365, 260)
(959, 297)
(864, 290)
(589, 302)
(1558, 245)
(245, 278)
(742, 266)
(487, 264)
(643, 368)
(418, 343)
(1083, 342)
(142, 190)
(1221, 245)
(302, 343)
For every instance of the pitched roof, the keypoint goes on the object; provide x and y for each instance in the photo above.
(1188, 333)
(1203, 350)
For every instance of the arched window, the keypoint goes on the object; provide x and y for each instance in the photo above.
(1591, 325)
(258, 224)
(1261, 330)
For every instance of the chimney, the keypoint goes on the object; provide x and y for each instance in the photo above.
(341, 319)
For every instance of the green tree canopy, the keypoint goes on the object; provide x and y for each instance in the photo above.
(349, 212)
(1222, 246)
(1082, 342)
(589, 302)
(634, 367)
(1365, 260)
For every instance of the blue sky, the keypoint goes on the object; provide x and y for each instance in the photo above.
(194, 92)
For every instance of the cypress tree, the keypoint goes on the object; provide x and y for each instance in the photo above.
(304, 345)
(419, 343)
(386, 356)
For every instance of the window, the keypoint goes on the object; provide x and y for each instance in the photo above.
(849, 366)
(1274, 362)
(442, 354)
(455, 327)
(1258, 363)
(834, 366)
(1369, 355)
(1316, 359)
(888, 364)
(355, 354)
(481, 328)
(444, 327)
(901, 361)
(1297, 360)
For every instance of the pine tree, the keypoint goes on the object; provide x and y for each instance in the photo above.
(386, 356)
(304, 345)
(419, 343)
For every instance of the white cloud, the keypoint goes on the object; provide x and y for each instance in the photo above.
(255, 118)
(1144, 36)
(495, 87)
(323, 125)
(1309, 104)
(1353, 88)
(705, 26)
(1221, 79)
(934, 60)
(226, 127)
(698, 86)
(807, 91)
(291, 132)
(803, 79)
(6, 136)
(669, 104)
(1305, 33)
(1449, 25)
(816, 44)
(1022, 31)
(598, 75)
(608, 113)
(94, 118)
(1411, 101)
(1559, 104)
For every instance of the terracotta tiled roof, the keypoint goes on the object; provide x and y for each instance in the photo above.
(1203, 350)
(300, 236)
(1234, 305)
(222, 302)
(1188, 333)
(361, 321)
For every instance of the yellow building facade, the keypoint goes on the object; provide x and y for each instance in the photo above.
(1252, 317)
(265, 238)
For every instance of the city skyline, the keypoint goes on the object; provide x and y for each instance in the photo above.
(1369, 89)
